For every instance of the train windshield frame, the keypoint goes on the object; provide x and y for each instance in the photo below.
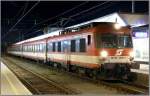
(116, 41)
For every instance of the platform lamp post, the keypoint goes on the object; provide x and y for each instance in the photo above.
(133, 6)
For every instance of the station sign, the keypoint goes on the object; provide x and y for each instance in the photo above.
(140, 38)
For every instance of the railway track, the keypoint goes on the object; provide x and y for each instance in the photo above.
(36, 83)
(125, 87)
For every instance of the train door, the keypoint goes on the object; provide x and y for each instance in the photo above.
(46, 50)
(66, 55)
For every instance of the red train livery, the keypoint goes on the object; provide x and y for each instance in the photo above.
(97, 49)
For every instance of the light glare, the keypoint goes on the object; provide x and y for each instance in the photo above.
(104, 53)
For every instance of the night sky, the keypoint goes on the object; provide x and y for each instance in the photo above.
(11, 11)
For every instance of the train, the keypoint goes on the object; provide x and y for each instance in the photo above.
(98, 50)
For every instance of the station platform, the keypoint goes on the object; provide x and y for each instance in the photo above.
(143, 69)
(142, 75)
(10, 84)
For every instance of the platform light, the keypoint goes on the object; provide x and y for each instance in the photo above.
(104, 53)
(117, 26)
(141, 34)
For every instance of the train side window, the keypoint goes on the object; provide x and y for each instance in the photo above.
(56, 46)
(53, 46)
(73, 45)
(49, 46)
(59, 47)
(35, 47)
(66, 46)
(89, 39)
(82, 45)
(31, 48)
(27, 48)
(41, 47)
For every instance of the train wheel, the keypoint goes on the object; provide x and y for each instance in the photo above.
(94, 74)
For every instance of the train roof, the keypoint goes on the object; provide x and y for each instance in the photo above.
(123, 19)
(39, 37)
(55, 33)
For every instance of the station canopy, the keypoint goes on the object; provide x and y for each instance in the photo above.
(123, 19)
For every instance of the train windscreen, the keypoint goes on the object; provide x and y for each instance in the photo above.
(116, 41)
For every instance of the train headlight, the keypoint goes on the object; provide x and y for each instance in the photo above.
(131, 54)
(104, 53)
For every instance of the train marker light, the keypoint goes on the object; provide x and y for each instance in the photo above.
(117, 26)
(104, 53)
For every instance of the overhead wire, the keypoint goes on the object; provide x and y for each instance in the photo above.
(77, 14)
(18, 12)
(26, 6)
(10, 30)
(59, 15)
(89, 9)
(92, 12)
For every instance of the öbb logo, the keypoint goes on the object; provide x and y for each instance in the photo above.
(119, 52)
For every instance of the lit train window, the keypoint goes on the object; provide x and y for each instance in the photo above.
(49, 47)
(36, 48)
(66, 46)
(30, 48)
(43, 47)
(33, 48)
(27, 48)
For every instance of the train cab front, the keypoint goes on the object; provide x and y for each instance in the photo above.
(116, 55)
(116, 63)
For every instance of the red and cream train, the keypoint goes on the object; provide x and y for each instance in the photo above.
(101, 49)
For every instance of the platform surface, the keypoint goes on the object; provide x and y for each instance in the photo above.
(146, 72)
(10, 84)
(144, 69)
